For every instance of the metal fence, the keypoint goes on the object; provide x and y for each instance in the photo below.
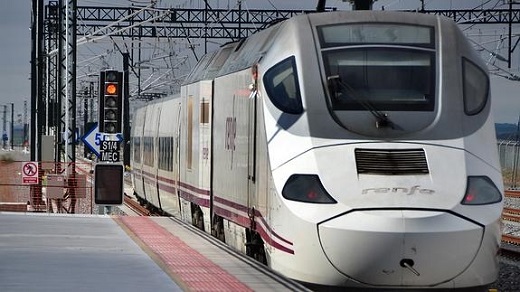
(509, 154)
(59, 192)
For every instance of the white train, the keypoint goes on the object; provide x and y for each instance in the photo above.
(352, 148)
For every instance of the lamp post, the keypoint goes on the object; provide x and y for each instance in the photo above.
(12, 126)
(4, 133)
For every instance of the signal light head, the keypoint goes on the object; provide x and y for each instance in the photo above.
(110, 128)
(110, 101)
(110, 115)
(111, 88)
(111, 76)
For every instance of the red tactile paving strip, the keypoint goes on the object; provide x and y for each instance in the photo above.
(196, 272)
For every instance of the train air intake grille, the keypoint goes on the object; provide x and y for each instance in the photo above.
(391, 161)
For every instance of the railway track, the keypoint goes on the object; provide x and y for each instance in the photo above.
(508, 238)
(511, 214)
(513, 194)
(136, 207)
(511, 240)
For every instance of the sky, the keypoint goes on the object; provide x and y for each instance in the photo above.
(15, 43)
(15, 54)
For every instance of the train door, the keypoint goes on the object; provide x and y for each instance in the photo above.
(177, 158)
(137, 150)
(252, 117)
(145, 141)
(185, 175)
(256, 199)
(150, 154)
(205, 104)
(157, 154)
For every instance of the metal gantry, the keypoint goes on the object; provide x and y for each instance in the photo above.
(169, 22)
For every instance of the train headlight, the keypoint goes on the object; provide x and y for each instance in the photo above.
(481, 190)
(306, 188)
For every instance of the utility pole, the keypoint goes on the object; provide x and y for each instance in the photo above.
(126, 110)
(12, 126)
(4, 132)
(25, 125)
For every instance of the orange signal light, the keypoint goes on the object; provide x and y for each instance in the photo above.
(110, 89)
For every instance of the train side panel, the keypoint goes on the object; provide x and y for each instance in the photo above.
(195, 148)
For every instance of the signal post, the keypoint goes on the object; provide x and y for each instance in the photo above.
(108, 173)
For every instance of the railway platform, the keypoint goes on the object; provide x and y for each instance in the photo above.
(58, 252)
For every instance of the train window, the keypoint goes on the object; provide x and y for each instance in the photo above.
(475, 89)
(392, 79)
(281, 85)
(170, 153)
(148, 151)
(204, 112)
(162, 152)
(201, 68)
(137, 149)
(165, 153)
(372, 33)
(218, 62)
(221, 58)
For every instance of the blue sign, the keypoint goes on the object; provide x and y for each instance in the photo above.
(94, 138)
(90, 140)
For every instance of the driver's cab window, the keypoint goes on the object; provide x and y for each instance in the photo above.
(281, 85)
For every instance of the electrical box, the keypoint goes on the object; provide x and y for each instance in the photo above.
(55, 186)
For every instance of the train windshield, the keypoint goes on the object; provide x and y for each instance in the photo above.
(379, 67)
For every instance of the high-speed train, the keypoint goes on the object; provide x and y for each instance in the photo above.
(347, 148)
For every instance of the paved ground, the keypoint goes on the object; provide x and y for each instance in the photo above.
(45, 252)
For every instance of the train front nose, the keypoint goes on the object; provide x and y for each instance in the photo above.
(400, 247)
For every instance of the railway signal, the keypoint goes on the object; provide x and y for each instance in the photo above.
(110, 102)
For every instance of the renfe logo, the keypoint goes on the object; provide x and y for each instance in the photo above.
(400, 190)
